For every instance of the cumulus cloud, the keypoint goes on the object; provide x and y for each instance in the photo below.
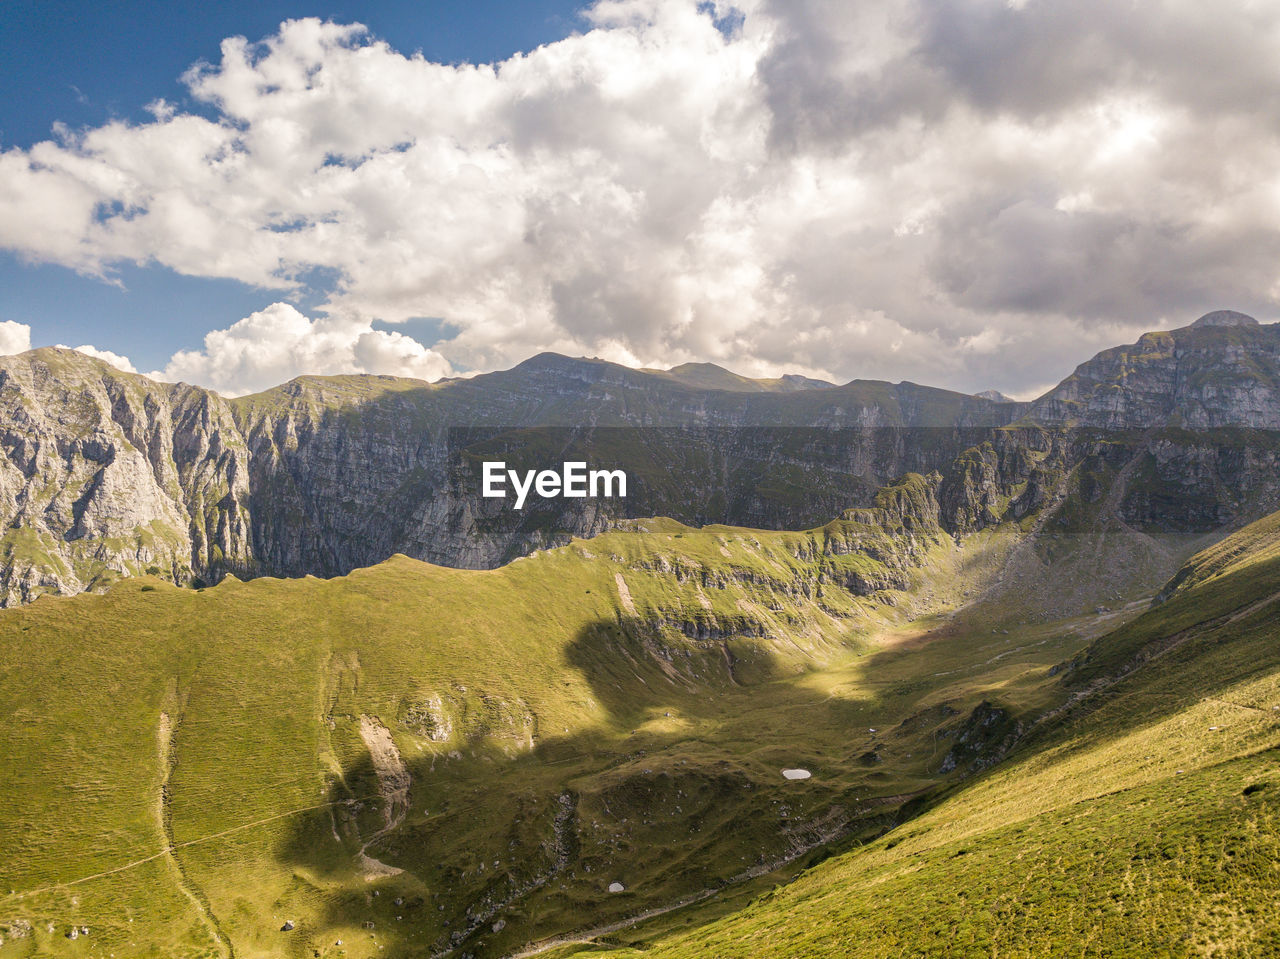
(14, 337)
(115, 359)
(965, 192)
(279, 343)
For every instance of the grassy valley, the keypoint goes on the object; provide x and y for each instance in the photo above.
(1040, 727)
(1139, 818)
(415, 760)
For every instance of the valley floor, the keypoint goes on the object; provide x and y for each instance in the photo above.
(414, 761)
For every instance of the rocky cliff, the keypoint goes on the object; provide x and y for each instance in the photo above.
(347, 470)
(106, 474)
(1221, 371)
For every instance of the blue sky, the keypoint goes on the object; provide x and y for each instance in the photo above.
(82, 64)
(972, 194)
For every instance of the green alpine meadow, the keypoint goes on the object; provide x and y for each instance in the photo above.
(640, 479)
(864, 670)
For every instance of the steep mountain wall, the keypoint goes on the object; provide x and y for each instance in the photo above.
(106, 474)
(348, 470)
(1223, 370)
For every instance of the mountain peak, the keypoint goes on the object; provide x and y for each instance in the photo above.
(1181, 377)
(709, 376)
(1225, 318)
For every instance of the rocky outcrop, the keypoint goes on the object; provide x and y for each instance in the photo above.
(1221, 371)
(347, 470)
(1225, 318)
(107, 474)
(982, 740)
(995, 396)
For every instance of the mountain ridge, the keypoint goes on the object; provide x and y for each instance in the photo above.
(106, 474)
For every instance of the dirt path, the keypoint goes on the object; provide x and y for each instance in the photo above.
(1226, 702)
(164, 815)
(1253, 607)
(134, 864)
(1149, 653)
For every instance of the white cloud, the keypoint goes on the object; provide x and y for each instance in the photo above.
(14, 337)
(279, 343)
(115, 359)
(974, 193)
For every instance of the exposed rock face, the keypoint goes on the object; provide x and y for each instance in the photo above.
(995, 396)
(982, 740)
(347, 471)
(1225, 318)
(1224, 370)
(106, 474)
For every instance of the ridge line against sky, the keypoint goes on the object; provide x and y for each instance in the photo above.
(968, 194)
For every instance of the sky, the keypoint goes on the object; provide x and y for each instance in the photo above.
(966, 193)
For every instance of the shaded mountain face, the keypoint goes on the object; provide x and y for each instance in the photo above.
(401, 461)
(105, 474)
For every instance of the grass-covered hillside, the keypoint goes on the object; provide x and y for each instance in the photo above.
(1139, 818)
(585, 750)
(413, 760)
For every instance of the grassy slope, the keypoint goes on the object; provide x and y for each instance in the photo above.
(1143, 820)
(667, 747)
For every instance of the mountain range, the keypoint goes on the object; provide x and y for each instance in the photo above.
(106, 474)
(864, 670)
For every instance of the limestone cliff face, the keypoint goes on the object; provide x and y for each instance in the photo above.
(1223, 370)
(348, 470)
(106, 474)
